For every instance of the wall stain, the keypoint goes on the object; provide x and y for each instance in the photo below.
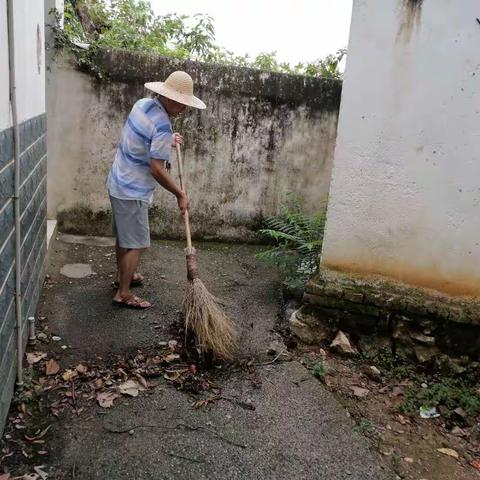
(411, 19)
(455, 285)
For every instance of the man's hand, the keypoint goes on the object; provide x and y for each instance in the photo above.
(177, 139)
(182, 201)
(160, 174)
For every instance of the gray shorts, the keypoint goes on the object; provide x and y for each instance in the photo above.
(130, 223)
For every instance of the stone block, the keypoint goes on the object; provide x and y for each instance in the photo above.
(376, 299)
(308, 328)
(341, 344)
(425, 354)
(393, 302)
(422, 338)
(333, 291)
(330, 302)
(353, 296)
(419, 317)
(314, 288)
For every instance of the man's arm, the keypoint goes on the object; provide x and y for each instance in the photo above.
(161, 175)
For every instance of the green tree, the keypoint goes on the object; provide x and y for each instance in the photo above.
(132, 25)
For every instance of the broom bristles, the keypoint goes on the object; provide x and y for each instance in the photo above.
(213, 329)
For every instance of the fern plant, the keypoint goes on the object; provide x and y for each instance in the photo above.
(298, 242)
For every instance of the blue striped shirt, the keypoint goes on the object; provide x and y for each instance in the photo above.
(147, 134)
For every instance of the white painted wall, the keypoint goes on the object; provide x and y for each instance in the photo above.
(5, 119)
(405, 195)
(29, 58)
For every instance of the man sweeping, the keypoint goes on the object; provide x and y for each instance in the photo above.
(143, 160)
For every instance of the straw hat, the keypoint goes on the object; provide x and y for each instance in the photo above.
(179, 87)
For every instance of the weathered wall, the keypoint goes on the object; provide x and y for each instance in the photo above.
(30, 80)
(262, 136)
(405, 195)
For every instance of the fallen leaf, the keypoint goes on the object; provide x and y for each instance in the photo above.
(130, 387)
(81, 369)
(448, 451)
(40, 435)
(69, 375)
(142, 381)
(105, 399)
(403, 420)
(473, 463)
(98, 383)
(35, 357)
(39, 471)
(172, 376)
(360, 392)
(171, 357)
(5, 476)
(458, 432)
(52, 367)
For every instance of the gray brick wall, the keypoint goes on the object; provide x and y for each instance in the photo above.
(33, 192)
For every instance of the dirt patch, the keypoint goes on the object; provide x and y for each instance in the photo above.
(380, 401)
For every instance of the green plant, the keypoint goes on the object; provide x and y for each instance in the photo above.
(364, 426)
(391, 365)
(320, 369)
(132, 25)
(448, 393)
(396, 458)
(327, 67)
(298, 238)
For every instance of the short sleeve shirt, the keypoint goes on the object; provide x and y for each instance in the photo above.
(147, 134)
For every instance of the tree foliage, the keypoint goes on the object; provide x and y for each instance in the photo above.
(132, 25)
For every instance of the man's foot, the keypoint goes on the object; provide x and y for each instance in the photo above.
(137, 277)
(131, 302)
(137, 281)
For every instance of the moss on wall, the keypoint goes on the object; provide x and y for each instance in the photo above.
(276, 88)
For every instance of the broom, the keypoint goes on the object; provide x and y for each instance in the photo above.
(213, 330)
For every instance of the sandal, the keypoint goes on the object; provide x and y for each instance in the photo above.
(134, 302)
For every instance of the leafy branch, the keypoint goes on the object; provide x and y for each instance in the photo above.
(132, 25)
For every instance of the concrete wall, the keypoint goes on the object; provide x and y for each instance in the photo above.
(405, 195)
(30, 80)
(262, 136)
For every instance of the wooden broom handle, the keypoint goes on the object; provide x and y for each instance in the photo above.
(182, 186)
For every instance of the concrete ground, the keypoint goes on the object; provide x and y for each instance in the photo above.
(297, 429)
